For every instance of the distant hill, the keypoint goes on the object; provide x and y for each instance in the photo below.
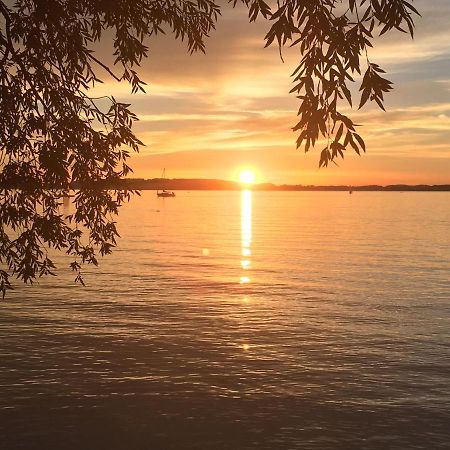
(200, 184)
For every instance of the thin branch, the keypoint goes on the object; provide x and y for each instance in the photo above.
(9, 44)
(104, 66)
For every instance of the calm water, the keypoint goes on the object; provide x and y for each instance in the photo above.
(229, 320)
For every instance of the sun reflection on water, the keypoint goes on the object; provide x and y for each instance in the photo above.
(244, 280)
(246, 233)
(246, 244)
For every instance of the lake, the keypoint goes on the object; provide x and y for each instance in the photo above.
(241, 320)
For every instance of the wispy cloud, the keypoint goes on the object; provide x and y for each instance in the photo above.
(205, 114)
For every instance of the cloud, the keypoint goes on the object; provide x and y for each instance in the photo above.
(204, 114)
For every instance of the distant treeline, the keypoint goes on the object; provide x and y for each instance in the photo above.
(198, 184)
(223, 185)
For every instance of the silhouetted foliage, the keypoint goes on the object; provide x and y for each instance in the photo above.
(333, 37)
(55, 138)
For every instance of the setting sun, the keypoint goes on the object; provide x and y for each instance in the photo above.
(247, 177)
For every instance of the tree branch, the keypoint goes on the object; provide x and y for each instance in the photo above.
(104, 66)
(9, 47)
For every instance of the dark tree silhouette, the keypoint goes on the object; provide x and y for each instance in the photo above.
(55, 138)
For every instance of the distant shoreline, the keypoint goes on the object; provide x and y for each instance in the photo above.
(200, 184)
(224, 185)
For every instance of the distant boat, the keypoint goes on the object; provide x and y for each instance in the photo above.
(164, 192)
(350, 190)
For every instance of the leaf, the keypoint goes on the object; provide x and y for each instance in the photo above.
(339, 132)
(364, 97)
(360, 141)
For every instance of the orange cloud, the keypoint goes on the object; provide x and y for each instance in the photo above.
(204, 115)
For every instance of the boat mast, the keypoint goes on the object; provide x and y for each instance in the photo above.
(163, 176)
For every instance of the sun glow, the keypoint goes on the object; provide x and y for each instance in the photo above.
(247, 177)
(246, 233)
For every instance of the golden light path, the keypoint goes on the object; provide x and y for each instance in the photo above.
(246, 232)
(246, 242)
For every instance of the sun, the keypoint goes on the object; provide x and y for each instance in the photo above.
(247, 177)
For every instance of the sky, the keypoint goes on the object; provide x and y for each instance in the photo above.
(213, 115)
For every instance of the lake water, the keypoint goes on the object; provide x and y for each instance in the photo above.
(240, 320)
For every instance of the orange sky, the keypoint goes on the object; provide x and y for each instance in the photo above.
(208, 116)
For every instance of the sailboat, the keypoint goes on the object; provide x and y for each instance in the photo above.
(164, 193)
